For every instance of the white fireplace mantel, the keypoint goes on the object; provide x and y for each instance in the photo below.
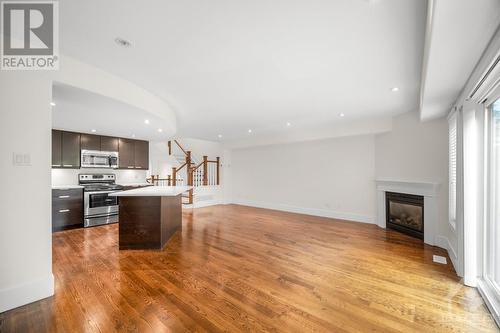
(428, 190)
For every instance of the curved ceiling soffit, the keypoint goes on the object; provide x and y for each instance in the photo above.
(81, 75)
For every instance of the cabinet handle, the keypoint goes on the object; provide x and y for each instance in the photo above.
(56, 165)
(130, 167)
(63, 210)
(63, 196)
(138, 167)
(68, 165)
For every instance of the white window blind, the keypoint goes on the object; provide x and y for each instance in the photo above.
(452, 151)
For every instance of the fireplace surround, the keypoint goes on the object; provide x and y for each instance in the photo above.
(429, 190)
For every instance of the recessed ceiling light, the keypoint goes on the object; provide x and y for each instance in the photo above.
(133, 135)
(395, 89)
(146, 121)
(341, 114)
(249, 131)
(160, 130)
(52, 104)
(288, 124)
(122, 42)
(219, 136)
(93, 131)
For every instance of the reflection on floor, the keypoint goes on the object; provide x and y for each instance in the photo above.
(236, 268)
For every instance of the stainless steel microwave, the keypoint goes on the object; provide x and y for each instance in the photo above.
(99, 159)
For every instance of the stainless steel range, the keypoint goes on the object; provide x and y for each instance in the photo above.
(99, 207)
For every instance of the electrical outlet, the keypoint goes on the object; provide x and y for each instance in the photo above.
(21, 159)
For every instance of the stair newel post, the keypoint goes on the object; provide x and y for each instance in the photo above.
(170, 147)
(189, 170)
(169, 180)
(205, 170)
(217, 170)
(174, 176)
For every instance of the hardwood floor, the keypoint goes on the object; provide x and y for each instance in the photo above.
(236, 268)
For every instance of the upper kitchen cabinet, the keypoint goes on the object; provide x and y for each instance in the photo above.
(70, 150)
(133, 154)
(65, 149)
(141, 155)
(126, 153)
(90, 142)
(56, 149)
(109, 143)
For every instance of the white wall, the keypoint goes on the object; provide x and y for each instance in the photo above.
(333, 177)
(418, 151)
(25, 224)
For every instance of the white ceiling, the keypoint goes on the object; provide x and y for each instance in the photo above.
(226, 66)
(459, 32)
(83, 111)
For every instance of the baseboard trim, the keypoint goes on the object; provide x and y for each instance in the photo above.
(444, 243)
(26, 293)
(309, 211)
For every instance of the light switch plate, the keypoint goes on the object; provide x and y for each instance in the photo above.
(21, 159)
(439, 259)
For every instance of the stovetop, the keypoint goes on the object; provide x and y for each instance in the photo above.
(98, 182)
(101, 187)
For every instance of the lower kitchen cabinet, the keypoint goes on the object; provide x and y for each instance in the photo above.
(67, 208)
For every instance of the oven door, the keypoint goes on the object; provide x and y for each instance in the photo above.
(99, 203)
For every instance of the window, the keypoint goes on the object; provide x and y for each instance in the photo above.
(452, 163)
(492, 226)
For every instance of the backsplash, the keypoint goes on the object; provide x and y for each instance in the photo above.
(70, 176)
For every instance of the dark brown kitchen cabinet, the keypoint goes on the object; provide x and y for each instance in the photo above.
(109, 143)
(70, 150)
(56, 149)
(126, 153)
(90, 142)
(67, 146)
(67, 208)
(141, 155)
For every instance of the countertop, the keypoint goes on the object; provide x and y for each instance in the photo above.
(152, 191)
(65, 187)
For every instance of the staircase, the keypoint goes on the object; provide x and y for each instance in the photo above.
(190, 171)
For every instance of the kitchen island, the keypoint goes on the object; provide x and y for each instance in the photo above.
(149, 216)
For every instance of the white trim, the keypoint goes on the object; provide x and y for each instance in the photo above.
(308, 211)
(489, 298)
(428, 189)
(444, 243)
(26, 293)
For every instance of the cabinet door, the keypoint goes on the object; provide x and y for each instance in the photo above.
(126, 151)
(67, 209)
(71, 150)
(90, 142)
(56, 149)
(142, 155)
(109, 143)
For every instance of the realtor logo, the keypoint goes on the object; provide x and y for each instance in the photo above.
(29, 35)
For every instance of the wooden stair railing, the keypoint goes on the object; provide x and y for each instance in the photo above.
(210, 174)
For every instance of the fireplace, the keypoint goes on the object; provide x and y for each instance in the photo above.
(405, 213)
